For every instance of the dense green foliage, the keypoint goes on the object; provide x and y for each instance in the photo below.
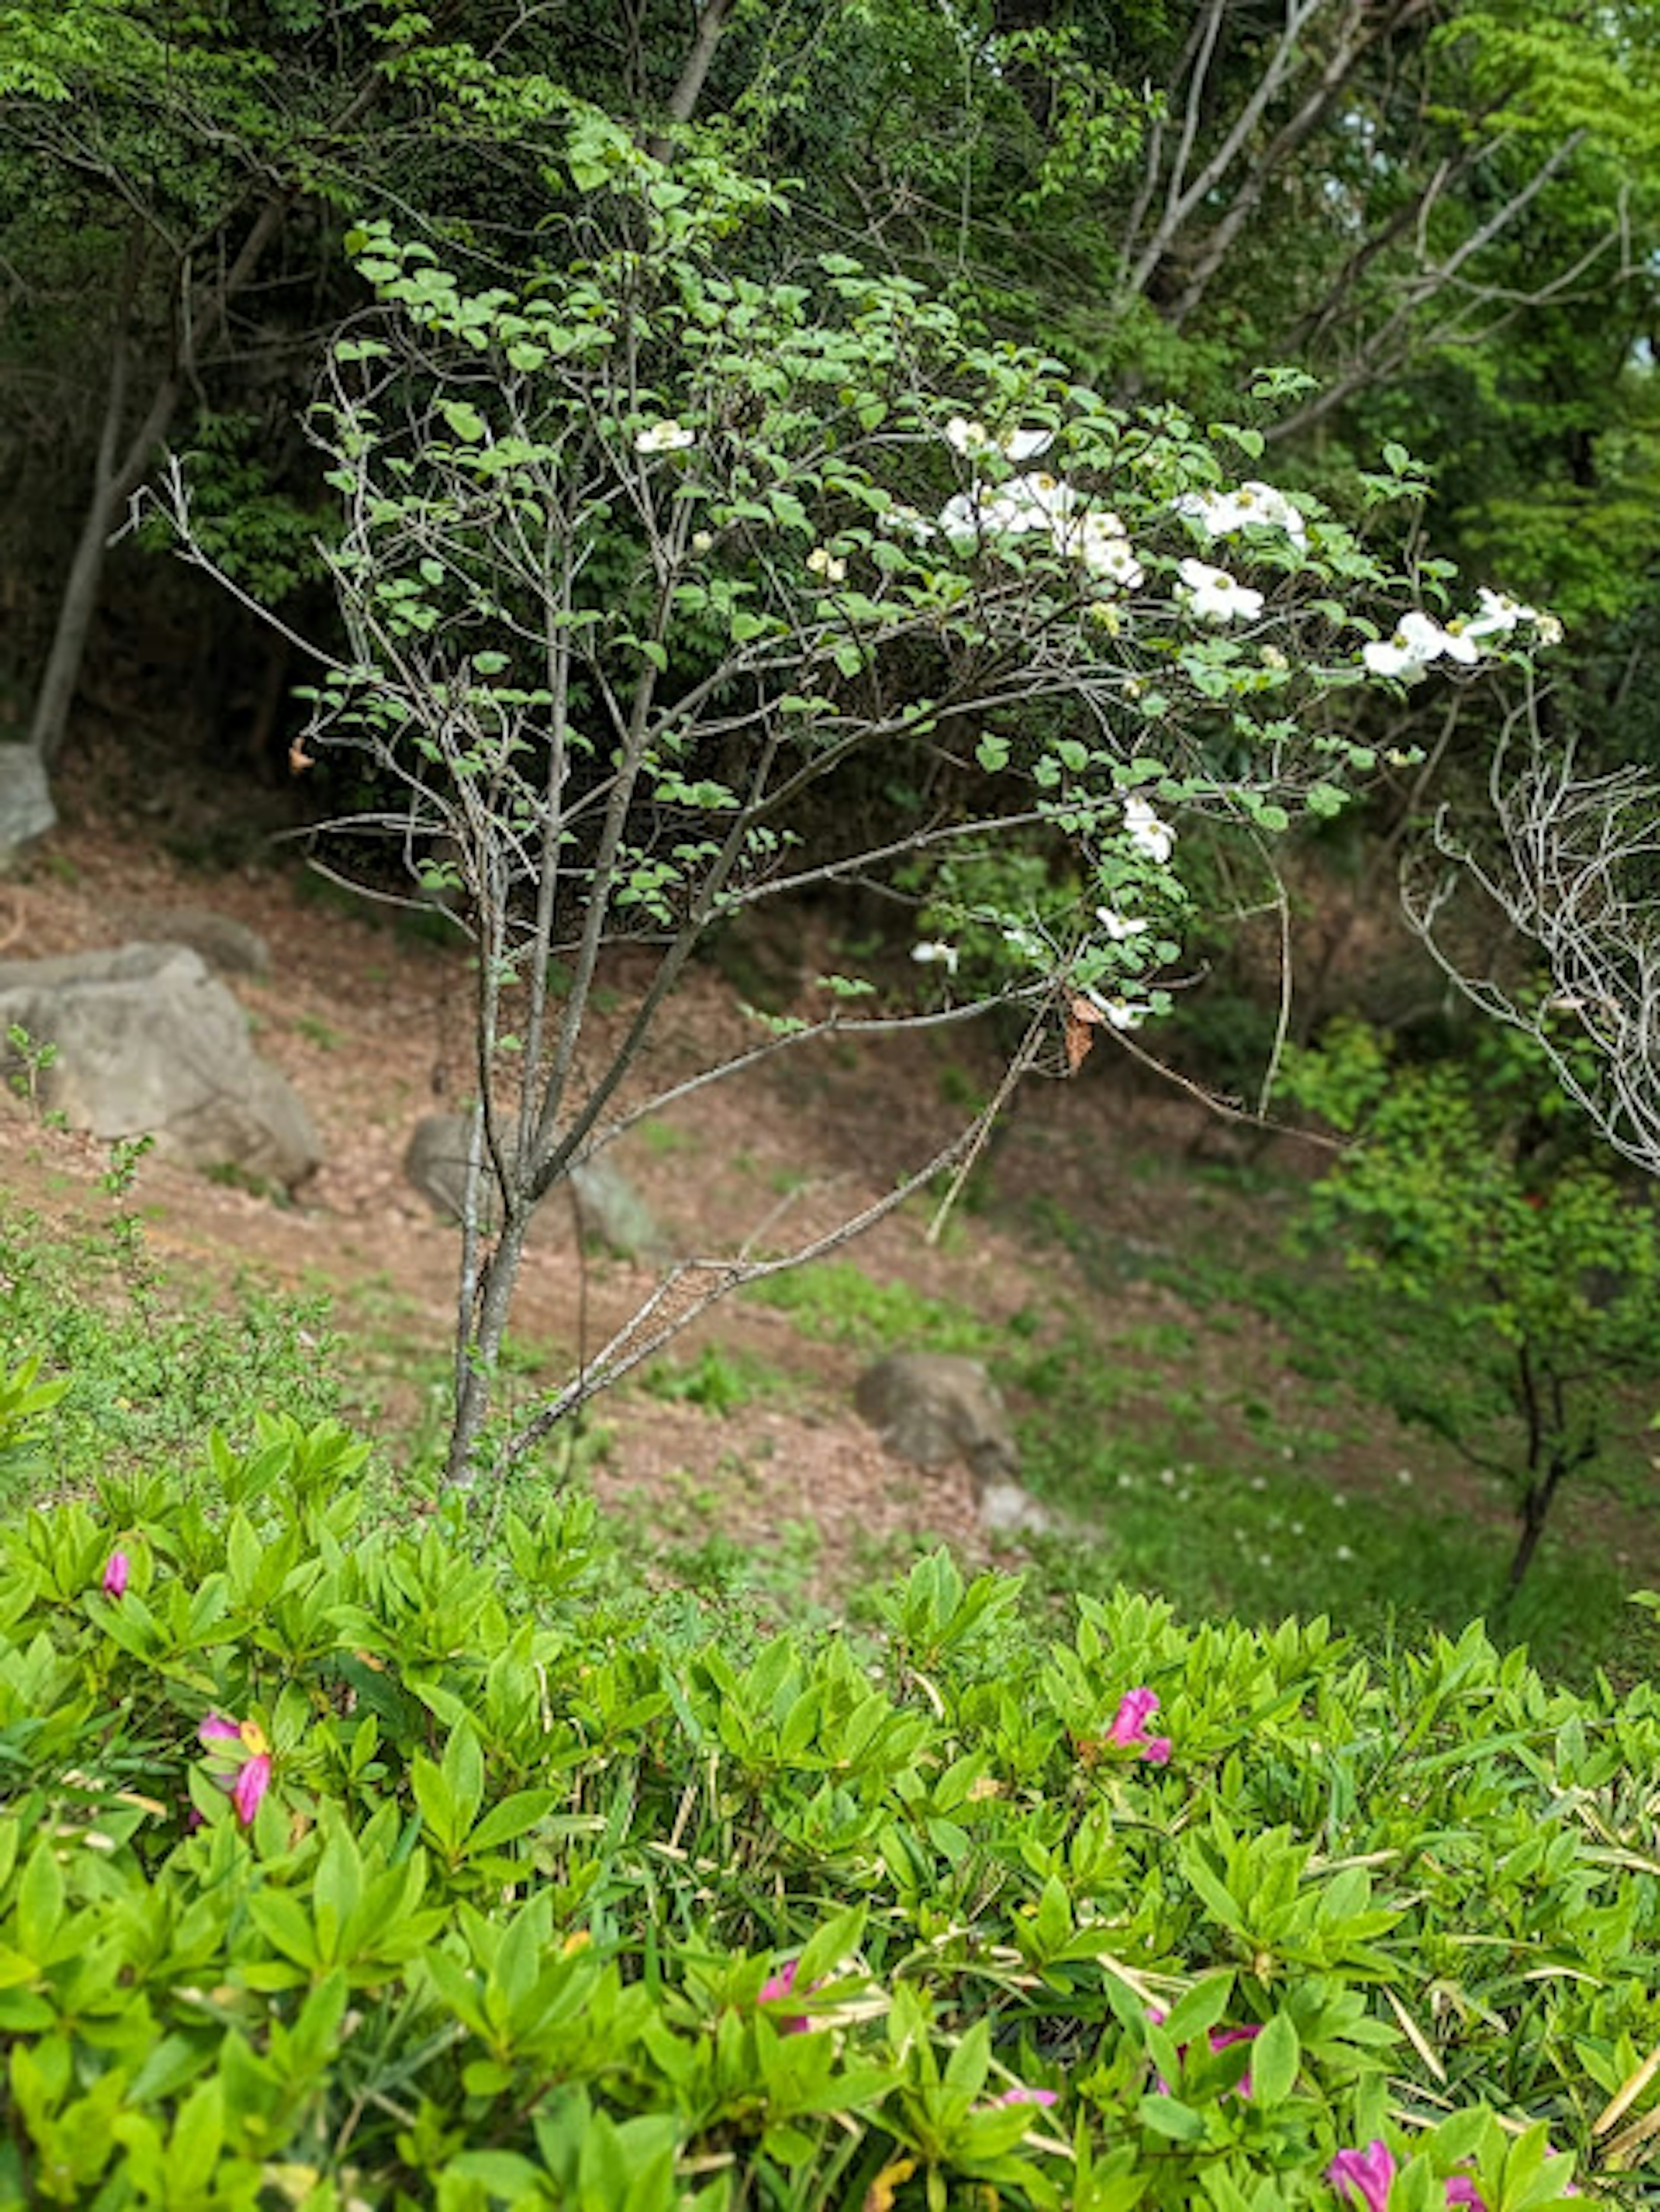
(1544, 1272)
(510, 1914)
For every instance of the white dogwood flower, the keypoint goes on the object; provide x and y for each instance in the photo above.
(1119, 1012)
(1100, 542)
(667, 437)
(966, 438)
(907, 521)
(1024, 504)
(1038, 502)
(1026, 445)
(1254, 503)
(1119, 926)
(1147, 832)
(1498, 615)
(935, 952)
(1417, 640)
(1214, 596)
(821, 561)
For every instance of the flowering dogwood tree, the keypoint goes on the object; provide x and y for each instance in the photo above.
(643, 561)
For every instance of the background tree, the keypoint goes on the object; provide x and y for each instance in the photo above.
(1546, 1271)
(642, 562)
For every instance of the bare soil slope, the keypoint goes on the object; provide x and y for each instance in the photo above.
(370, 1021)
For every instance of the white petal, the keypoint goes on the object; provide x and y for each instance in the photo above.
(959, 518)
(1027, 445)
(1422, 634)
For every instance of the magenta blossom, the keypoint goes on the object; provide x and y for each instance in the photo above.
(247, 1778)
(1363, 2177)
(782, 1984)
(1021, 2095)
(1220, 2038)
(1129, 1726)
(117, 1569)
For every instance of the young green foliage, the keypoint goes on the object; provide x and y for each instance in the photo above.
(1546, 1268)
(338, 1865)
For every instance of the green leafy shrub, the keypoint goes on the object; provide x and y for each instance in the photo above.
(339, 1866)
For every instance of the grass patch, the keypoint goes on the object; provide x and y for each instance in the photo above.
(837, 1302)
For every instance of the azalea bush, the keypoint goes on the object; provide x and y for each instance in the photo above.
(684, 575)
(340, 1866)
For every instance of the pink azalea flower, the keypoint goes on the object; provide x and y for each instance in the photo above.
(1021, 2095)
(247, 1778)
(1129, 1727)
(782, 1984)
(1362, 2176)
(1135, 1708)
(115, 1571)
(1219, 2039)
(1365, 2177)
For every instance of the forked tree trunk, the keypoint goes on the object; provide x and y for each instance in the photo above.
(1536, 1510)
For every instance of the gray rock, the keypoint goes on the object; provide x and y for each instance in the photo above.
(611, 1211)
(223, 942)
(148, 1043)
(1006, 1509)
(934, 1409)
(26, 808)
(435, 1161)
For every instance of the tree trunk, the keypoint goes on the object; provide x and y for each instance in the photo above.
(478, 1359)
(113, 481)
(1536, 1509)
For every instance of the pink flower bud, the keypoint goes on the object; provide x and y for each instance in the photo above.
(115, 1571)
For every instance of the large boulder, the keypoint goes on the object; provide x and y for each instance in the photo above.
(610, 1212)
(150, 1043)
(435, 1161)
(223, 942)
(938, 1410)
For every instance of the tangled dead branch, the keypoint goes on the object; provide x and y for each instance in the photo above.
(1570, 863)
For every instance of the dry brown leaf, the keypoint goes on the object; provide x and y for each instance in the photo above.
(1084, 1018)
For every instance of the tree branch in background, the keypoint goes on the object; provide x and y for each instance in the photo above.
(1574, 871)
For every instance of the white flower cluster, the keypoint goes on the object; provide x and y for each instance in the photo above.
(1154, 839)
(1214, 596)
(1420, 639)
(1035, 503)
(667, 437)
(1255, 504)
(965, 437)
(821, 561)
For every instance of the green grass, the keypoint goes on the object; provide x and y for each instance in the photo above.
(837, 1302)
(150, 1369)
(722, 1381)
(1238, 1500)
